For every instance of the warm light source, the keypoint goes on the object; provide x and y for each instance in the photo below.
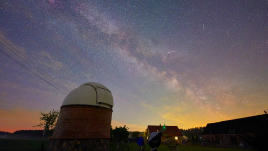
(176, 137)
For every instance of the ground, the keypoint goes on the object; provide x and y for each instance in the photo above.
(34, 145)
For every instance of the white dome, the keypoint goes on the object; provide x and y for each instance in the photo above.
(90, 93)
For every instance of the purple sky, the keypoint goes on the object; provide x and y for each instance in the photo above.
(184, 63)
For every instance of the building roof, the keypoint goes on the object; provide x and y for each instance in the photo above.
(251, 124)
(90, 93)
(168, 131)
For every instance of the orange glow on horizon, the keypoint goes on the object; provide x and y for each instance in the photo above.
(22, 119)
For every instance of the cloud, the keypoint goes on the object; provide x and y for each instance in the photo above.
(28, 94)
(9, 46)
(176, 113)
(144, 104)
(179, 119)
(29, 90)
(49, 61)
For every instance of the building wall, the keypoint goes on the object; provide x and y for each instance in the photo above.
(165, 137)
(228, 139)
(83, 122)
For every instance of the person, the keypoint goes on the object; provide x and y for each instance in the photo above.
(245, 145)
(143, 147)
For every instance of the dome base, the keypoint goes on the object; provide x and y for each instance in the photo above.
(83, 122)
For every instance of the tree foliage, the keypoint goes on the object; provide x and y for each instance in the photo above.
(144, 135)
(197, 131)
(119, 133)
(194, 137)
(48, 120)
(111, 132)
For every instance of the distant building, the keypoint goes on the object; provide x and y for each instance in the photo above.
(168, 132)
(229, 132)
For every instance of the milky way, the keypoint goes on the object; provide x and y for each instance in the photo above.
(183, 63)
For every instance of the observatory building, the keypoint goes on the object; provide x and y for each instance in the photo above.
(84, 121)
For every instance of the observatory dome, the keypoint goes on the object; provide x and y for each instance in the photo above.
(90, 93)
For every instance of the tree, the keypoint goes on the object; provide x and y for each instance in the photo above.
(120, 133)
(111, 132)
(135, 134)
(48, 121)
(144, 135)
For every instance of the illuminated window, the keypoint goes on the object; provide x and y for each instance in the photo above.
(176, 137)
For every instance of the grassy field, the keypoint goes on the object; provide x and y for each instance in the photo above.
(34, 145)
(21, 145)
(135, 147)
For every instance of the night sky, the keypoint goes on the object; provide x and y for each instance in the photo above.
(183, 63)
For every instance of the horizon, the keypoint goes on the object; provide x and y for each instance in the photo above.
(139, 130)
(182, 63)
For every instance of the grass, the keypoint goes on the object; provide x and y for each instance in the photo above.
(134, 147)
(21, 145)
(35, 145)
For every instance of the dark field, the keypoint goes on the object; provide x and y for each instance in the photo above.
(21, 145)
(34, 145)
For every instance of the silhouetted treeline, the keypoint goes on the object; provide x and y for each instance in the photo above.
(26, 134)
(193, 134)
(3, 132)
(35, 133)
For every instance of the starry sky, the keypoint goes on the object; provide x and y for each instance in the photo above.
(184, 63)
